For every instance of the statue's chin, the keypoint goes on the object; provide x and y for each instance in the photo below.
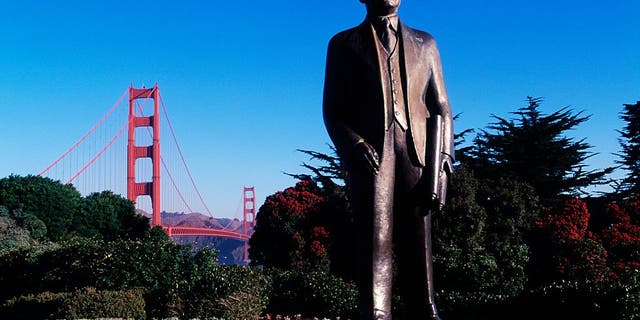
(392, 4)
(382, 7)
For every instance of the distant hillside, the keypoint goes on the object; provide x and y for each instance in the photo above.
(229, 251)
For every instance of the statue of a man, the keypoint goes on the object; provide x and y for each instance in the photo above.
(387, 112)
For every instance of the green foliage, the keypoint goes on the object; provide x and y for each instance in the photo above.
(562, 299)
(46, 305)
(229, 292)
(151, 263)
(50, 210)
(176, 281)
(630, 155)
(154, 263)
(315, 293)
(50, 201)
(330, 174)
(20, 270)
(34, 228)
(88, 303)
(480, 250)
(532, 147)
(109, 216)
(12, 235)
(241, 305)
(586, 300)
(512, 207)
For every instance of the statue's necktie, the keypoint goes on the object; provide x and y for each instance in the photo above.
(388, 36)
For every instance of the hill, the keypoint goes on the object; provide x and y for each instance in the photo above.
(229, 251)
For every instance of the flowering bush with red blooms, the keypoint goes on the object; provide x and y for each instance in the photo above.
(285, 235)
(295, 202)
(319, 244)
(319, 237)
(318, 249)
(320, 233)
(578, 254)
(622, 236)
(584, 259)
(623, 230)
(598, 255)
(569, 221)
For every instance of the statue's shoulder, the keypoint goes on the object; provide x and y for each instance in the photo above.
(348, 37)
(422, 36)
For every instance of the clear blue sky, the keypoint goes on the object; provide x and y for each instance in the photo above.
(242, 80)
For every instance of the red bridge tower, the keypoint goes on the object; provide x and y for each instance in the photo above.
(249, 210)
(134, 152)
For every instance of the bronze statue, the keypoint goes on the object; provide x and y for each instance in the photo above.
(387, 112)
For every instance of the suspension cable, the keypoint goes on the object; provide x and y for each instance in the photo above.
(86, 135)
(164, 109)
(99, 153)
(164, 165)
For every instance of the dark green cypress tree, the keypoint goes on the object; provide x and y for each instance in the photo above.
(532, 147)
(630, 156)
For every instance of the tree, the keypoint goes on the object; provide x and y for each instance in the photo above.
(49, 209)
(50, 201)
(630, 156)
(330, 175)
(109, 216)
(335, 214)
(533, 148)
(12, 235)
(480, 242)
(284, 236)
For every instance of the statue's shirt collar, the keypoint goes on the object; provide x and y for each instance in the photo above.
(377, 21)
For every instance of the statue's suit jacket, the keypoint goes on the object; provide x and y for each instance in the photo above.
(354, 106)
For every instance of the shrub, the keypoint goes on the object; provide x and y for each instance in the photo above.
(80, 304)
(284, 234)
(572, 247)
(244, 304)
(46, 305)
(52, 202)
(21, 272)
(315, 293)
(216, 289)
(90, 303)
(480, 252)
(587, 299)
(176, 281)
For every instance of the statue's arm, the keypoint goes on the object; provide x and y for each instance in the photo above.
(438, 99)
(335, 103)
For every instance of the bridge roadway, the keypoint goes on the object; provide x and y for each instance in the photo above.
(195, 231)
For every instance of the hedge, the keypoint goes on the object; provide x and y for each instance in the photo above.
(79, 304)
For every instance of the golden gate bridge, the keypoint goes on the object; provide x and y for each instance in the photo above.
(155, 180)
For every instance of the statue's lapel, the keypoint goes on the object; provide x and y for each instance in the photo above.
(414, 67)
(363, 44)
(410, 54)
